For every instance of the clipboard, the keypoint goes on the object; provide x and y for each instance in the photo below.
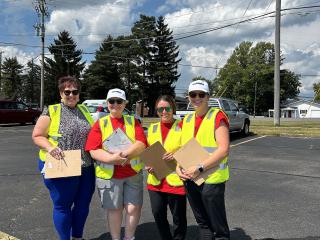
(69, 167)
(152, 157)
(117, 141)
(190, 154)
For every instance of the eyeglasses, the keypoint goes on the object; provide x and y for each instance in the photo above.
(161, 109)
(113, 101)
(194, 94)
(68, 92)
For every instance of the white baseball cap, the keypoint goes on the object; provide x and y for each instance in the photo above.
(116, 93)
(199, 85)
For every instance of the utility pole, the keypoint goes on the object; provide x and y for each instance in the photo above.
(42, 12)
(1, 72)
(276, 103)
(255, 99)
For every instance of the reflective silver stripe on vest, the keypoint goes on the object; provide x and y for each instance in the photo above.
(104, 165)
(189, 118)
(210, 114)
(155, 128)
(105, 123)
(55, 108)
(223, 166)
(210, 149)
(84, 108)
(54, 137)
(129, 120)
(135, 162)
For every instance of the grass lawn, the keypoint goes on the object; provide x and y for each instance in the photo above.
(264, 126)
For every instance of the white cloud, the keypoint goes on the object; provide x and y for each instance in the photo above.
(11, 52)
(91, 24)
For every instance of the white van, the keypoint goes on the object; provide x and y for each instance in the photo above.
(95, 102)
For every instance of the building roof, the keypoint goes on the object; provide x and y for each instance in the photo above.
(299, 102)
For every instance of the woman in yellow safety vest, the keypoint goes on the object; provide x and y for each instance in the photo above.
(170, 190)
(65, 126)
(210, 127)
(118, 172)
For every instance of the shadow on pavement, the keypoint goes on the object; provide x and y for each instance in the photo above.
(304, 238)
(147, 231)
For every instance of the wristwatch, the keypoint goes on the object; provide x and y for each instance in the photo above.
(200, 168)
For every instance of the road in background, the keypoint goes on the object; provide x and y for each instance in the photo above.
(273, 192)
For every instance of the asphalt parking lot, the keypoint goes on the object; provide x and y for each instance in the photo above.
(273, 192)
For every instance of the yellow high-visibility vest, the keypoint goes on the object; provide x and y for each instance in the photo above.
(206, 138)
(104, 170)
(171, 144)
(53, 131)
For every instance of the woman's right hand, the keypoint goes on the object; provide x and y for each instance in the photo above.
(181, 174)
(149, 169)
(56, 152)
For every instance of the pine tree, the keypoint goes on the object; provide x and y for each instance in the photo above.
(12, 77)
(31, 83)
(102, 74)
(166, 58)
(66, 61)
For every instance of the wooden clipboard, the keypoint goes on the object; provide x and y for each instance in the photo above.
(191, 154)
(69, 167)
(152, 157)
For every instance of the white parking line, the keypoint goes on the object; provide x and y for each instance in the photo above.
(250, 140)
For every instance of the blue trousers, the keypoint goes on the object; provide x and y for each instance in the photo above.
(71, 198)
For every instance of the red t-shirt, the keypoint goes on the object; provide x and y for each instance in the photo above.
(94, 142)
(164, 186)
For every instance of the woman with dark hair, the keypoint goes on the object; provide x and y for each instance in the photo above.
(210, 127)
(65, 126)
(168, 191)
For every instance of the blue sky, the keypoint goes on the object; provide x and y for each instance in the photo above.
(90, 21)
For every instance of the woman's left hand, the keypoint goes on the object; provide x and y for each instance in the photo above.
(193, 172)
(168, 156)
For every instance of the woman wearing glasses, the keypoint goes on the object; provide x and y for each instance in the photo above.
(170, 190)
(210, 128)
(118, 173)
(65, 126)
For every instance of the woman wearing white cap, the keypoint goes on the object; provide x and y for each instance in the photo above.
(210, 127)
(118, 174)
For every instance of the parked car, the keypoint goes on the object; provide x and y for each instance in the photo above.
(239, 120)
(17, 112)
(99, 111)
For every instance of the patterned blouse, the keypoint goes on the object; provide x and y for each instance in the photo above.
(74, 128)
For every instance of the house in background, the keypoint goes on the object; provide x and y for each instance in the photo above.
(299, 109)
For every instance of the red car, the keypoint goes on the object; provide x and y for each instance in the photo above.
(17, 112)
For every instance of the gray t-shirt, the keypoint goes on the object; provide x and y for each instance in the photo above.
(74, 128)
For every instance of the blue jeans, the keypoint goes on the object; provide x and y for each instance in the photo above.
(71, 197)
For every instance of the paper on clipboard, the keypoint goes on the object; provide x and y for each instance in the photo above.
(69, 167)
(117, 141)
(191, 154)
(152, 157)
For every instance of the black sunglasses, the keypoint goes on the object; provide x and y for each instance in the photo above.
(68, 92)
(194, 94)
(113, 101)
(161, 109)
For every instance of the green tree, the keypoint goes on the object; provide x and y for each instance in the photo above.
(166, 58)
(251, 66)
(316, 89)
(102, 74)
(12, 78)
(66, 60)
(31, 83)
